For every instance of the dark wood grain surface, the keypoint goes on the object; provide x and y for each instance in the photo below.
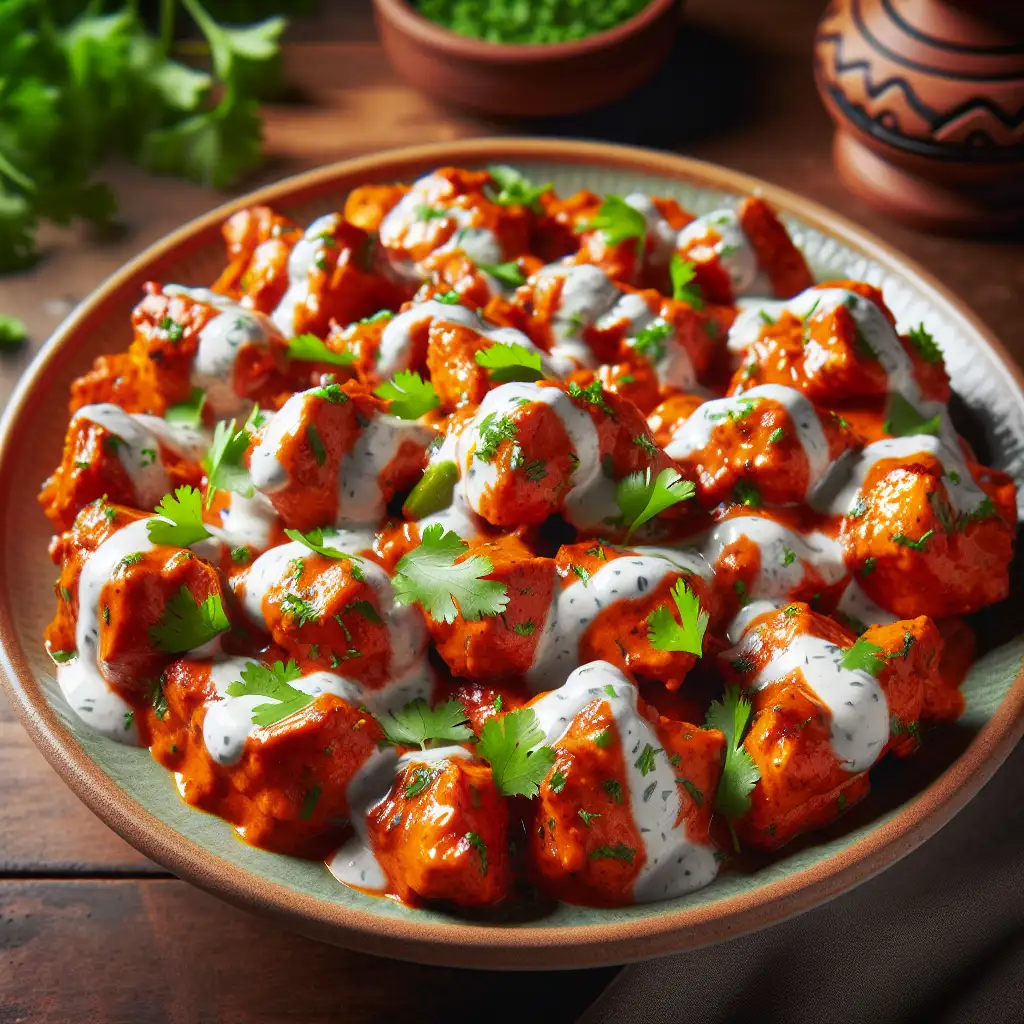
(90, 930)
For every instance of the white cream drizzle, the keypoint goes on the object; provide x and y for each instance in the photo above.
(355, 863)
(785, 554)
(301, 261)
(856, 703)
(220, 343)
(696, 432)
(840, 490)
(575, 604)
(137, 449)
(81, 679)
(674, 864)
(732, 249)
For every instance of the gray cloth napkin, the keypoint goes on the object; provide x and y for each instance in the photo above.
(938, 937)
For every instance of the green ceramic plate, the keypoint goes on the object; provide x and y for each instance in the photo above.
(136, 797)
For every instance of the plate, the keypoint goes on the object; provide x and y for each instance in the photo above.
(137, 798)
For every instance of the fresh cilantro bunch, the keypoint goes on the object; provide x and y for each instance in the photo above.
(80, 87)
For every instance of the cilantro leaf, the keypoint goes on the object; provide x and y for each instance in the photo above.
(184, 509)
(514, 188)
(409, 394)
(923, 341)
(683, 273)
(508, 273)
(314, 540)
(506, 742)
(190, 412)
(430, 575)
(666, 634)
(739, 773)
(186, 625)
(617, 221)
(509, 362)
(227, 471)
(309, 348)
(863, 656)
(418, 724)
(640, 498)
(904, 420)
(273, 681)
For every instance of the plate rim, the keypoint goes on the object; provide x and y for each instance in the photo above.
(457, 943)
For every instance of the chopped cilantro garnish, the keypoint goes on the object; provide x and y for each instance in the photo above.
(592, 394)
(494, 431)
(924, 343)
(745, 493)
(316, 444)
(863, 656)
(645, 762)
(419, 779)
(646, 443)
(650, 340)
(917, 545)
(481, 848)
(620, 851)
(300, 609)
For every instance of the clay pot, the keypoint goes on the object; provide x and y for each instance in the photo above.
(516, 80)
(928, 101)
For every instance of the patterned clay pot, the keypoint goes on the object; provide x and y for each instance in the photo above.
(928, 100)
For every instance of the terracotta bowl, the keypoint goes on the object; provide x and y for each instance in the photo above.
(927, 99)
(526, 80)
(136, 797)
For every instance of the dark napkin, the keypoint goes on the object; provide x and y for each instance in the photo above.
(938, 937)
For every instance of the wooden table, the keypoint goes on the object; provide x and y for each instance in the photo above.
(90, 930)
